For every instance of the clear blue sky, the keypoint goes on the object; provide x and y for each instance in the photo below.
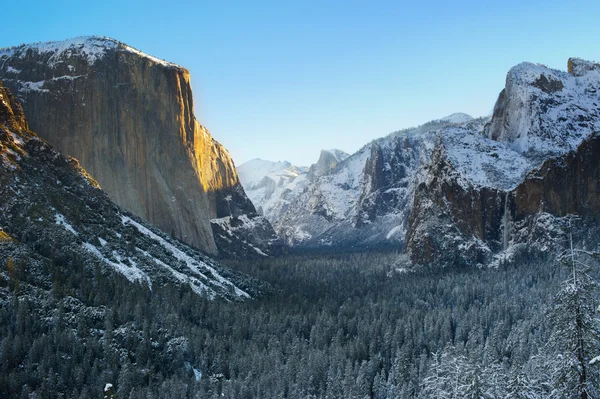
(283, 79)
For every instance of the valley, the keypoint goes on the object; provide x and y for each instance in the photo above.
(457, 258)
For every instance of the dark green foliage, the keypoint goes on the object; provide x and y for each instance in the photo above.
(336, 326)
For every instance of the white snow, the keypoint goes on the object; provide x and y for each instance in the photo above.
(131, 272)
(393, 231)
(107, 386)
(251, 173)
(33, 86)
(194, 265)
(482, 161)
(197, 286)
(595, 360)
(338, 154)
(10, 69)
(548, 121)
(197, 374)
(61, 221)
(102, 241)
(92, 48)
(458, 117)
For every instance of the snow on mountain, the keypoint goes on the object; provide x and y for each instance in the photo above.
(541, 113)
(339, 155)
(272, 186)
(93, 48)
(364, 200)
(457, 117)
(545, 112)
(251, 173)
(268, 184)
(485, 187)
(367, 198)
(55, 212)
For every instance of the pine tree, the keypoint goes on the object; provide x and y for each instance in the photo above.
(576, 336)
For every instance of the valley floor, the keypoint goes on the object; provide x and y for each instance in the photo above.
(327, 326)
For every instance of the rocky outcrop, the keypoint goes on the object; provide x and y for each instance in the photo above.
(364, 200)
(483, 194)
(579, 67)
(52, 213)
(129, 119)
(546, 112)
(566, 185)
(452, 222)
(328, 159)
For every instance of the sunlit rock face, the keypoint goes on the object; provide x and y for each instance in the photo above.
(52, 211)
(128, 118)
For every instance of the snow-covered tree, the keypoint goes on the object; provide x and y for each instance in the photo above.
(576, 335)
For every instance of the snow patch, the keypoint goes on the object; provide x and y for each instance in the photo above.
(91, 48)
(61, 221)
(27, 87)
(458, 117)
(131, 272)
(193, 264)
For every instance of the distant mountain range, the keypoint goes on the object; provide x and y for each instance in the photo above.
(456, 188)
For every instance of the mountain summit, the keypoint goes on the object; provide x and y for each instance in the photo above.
(129, 118)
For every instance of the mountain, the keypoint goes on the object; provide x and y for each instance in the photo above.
(457, 117)
(53, 212)
(272, 185)
(520, 180)
(358, 200)
(460, 189)
(129, 119)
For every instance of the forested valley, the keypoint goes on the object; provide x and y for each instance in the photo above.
(352, 325)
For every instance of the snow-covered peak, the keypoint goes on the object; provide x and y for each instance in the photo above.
(92, 48)
(339, 155)
(458, 117)
(546, 112)
(252, 173)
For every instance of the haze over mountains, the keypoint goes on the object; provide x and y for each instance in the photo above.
(452, 183)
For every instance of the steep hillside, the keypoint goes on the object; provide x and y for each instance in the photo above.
(515, 182)
(268, 184)
(362, 200)
(273, 185)
(52, 211)
(129, 118)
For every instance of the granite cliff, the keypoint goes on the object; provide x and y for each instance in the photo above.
(129, 119)
(520, 180)
(53, 214)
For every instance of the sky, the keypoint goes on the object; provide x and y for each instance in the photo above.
(281, 80)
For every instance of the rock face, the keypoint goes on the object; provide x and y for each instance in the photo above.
(53, 212)
(360, 201)
(128, 118)
(484, 193)
(328, 159)
(270, 185)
